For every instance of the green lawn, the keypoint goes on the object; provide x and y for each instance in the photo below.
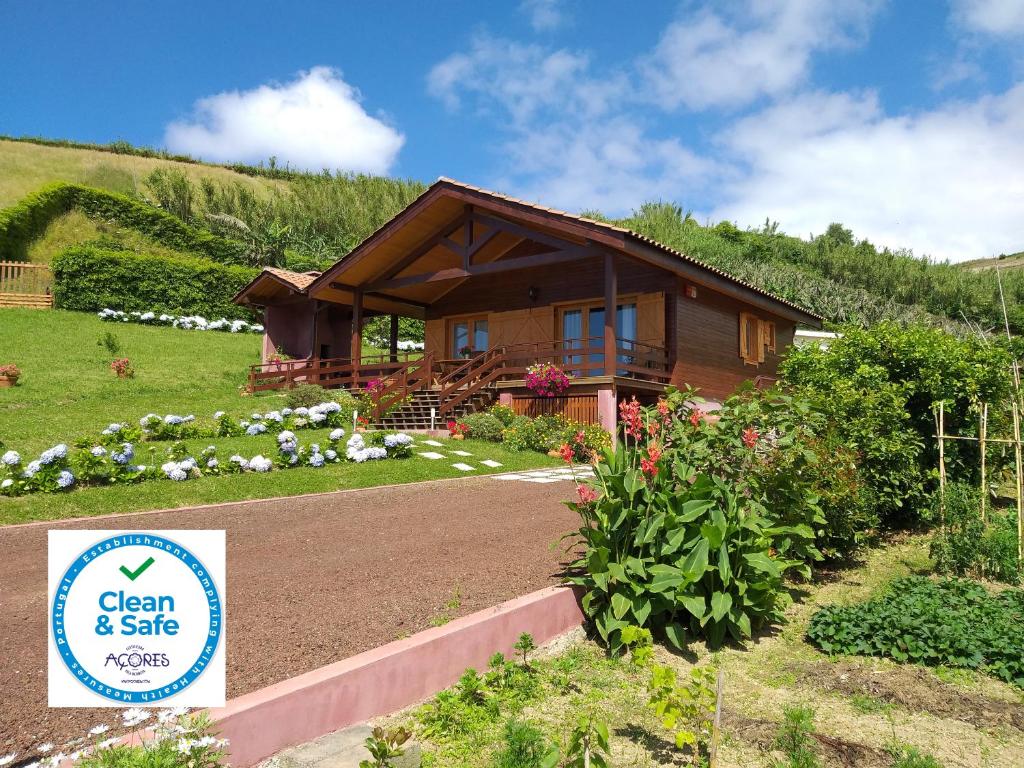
(166, 494)
(67, 389)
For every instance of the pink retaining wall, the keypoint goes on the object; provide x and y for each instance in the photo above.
(388, 678)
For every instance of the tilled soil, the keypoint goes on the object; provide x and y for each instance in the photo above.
(310, 580)
(914, 689)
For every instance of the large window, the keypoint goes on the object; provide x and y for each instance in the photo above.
(583, 328)
(468, 334)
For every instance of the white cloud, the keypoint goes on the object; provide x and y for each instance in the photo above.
(763, 49)
(946, 182)
(522, 81)
(313, 122)
(609, 165)
(992, 17)
(545, 15)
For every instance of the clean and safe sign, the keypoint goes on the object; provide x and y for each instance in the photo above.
(136, 618)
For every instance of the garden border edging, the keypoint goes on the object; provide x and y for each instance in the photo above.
(389, 678)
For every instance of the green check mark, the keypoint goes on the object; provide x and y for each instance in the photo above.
(133, 575)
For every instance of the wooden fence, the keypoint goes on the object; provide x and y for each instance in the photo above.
(578, 408)
(25, 285)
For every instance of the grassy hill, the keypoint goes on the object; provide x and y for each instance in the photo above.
(1005, 261)
(306, 221)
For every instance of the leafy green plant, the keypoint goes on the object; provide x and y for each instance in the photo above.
(588, 744)
(483, 426)
(524, 747)
(185, 742)
(794, 738)
(525, 646)
(306, 396)
(686, 709)
(967, 546)
(109, 342)
(680, 538)
(906, 756)
(384, 747)
(953, 622)
(503, 413)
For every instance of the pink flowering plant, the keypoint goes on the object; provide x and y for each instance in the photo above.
(547, 380)
(689, 527)
(11, 371)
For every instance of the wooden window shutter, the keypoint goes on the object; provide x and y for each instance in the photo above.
(769, 335)
(749, 336)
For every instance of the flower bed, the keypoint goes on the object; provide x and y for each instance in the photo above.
(186, 322)
(112, 460)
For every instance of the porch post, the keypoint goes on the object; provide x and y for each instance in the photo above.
(611, 290)
(356, 351)
(393, 339)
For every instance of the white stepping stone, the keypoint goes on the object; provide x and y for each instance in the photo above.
(433, 443)
(431, 455)
(464, 467)
(491, 463)
(508, 477)
(461, 453)
(544, 479)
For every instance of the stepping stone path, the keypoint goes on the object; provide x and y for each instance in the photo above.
(431, 455)
(464, 467)
(432, 442)
(461, 453)
(491, 463)
(549, 475)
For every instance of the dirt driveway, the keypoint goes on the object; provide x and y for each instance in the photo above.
(310, 580)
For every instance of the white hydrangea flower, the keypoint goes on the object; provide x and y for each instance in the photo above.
(11, 458)
(260, 463)
(336, 434)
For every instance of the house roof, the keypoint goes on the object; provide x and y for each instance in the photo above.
(636, 236)
(273, 281)
(406, 231)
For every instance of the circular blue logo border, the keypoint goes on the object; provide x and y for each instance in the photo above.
(182, 681)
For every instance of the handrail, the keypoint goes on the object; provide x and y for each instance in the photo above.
(405, 384)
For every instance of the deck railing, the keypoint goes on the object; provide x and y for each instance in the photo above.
(25, 285)
(457, 381)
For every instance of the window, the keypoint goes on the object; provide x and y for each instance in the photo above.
(470, 332)
(756, 336)
(583, 328)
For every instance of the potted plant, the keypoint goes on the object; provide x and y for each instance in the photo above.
(457, 430)
(466, 352)
(9, 375)
(546, 380)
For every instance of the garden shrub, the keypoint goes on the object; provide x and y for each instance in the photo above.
(925, 365)
(542, 433)
(28, 219)
(679, 543)
(483, 426)
(306, 395)
(953, 622)
(503, 413)
(524, 747)
(88, 279)
(967, 546)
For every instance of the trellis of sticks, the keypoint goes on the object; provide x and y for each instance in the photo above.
(983, 440)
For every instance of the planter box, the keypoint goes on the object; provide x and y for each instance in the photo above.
(8, 381)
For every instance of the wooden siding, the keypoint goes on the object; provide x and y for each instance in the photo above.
(706, 332)
(520, 326)
(579, 408)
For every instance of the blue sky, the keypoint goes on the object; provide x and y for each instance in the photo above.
(904, 120)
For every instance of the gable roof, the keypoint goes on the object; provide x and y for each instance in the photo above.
(274, 281)
(393, 233)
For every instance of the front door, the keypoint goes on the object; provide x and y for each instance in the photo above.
(583, 328)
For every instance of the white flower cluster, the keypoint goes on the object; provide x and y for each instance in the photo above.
(358, 451)
(186, 322)
(396, 440)
(181, 470)
(151, 420)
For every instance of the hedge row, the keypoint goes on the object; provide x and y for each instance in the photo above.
(22, 223)
(88, 278)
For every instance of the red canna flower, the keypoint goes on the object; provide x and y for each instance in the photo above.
(587, 494)
(696, 415)
(750, 436)
(653, 452)
(629, 414)
(663, 409)
(566, 452)
(648, 467)
(653, 428)
(581, 437)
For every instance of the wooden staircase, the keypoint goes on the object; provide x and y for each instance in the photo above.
(415, 414)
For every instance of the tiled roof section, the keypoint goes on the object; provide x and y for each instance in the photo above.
(300, 281)
(628, 233)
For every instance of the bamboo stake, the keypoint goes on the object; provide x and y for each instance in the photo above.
(1017, 480)
(982, 434)
(942, 464)
(716, 727)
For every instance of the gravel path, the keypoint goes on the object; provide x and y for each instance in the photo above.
(310, 580)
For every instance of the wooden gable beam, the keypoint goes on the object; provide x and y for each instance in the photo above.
(440, 236)
(376, 295)
(504, 225)
(574, 253)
